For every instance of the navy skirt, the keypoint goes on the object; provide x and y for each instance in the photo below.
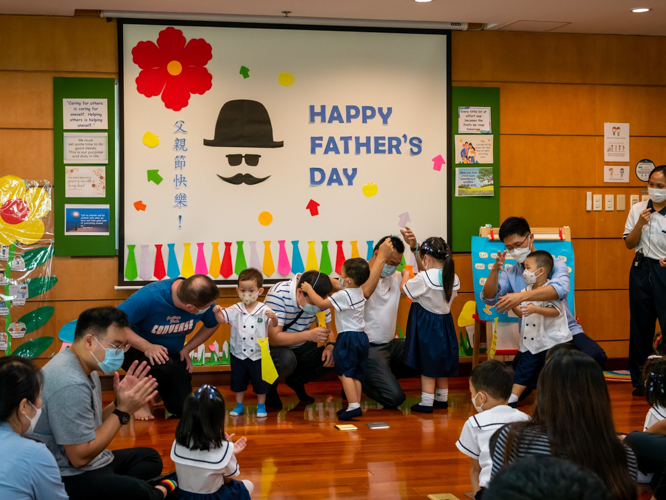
(431, 344)
(235, 490)
(350, 354)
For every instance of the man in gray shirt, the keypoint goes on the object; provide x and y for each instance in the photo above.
(76, 428)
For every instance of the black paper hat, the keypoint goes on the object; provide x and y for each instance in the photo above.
(243, 123)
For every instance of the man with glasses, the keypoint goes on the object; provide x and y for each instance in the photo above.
(161, 316)
(519, 242)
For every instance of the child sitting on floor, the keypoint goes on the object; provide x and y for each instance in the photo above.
(249, 321)
(543, 325)
(350, 353)
(490, 385)
(204, 455)
(654, 381)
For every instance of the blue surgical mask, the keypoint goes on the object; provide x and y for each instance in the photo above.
(310, 309)
(203, 311)
(113, 359)
(388, 270)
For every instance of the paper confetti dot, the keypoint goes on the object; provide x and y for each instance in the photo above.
(151, 140)
(370, 190)
(285, 79)
(265, 218)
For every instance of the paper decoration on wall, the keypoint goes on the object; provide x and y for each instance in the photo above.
(160, 271)
(437, 163)
(245, 72)
(369, 190)
(36, 257)
(268, 371)
(139, 205)
(187, 269)
(173, 271)
(154, 176)
(241, 265)
(283, 261)
(403, 219)
(130, 268)
(339, 256)
(296, 259)
(268, 268)
(313, 207)
(226, 269)
(215, 262)
(38, 286)
(34, 347)
(34, 320)
(17, 264)
(174, 68)
(286, 79)
(3, 341)
(254, 256)
(21, 211)
(17, 330)
(4, 308)
(354, 252)
(151, 140)
(370, 249)
(145, 270)
(311, 261)
(265, 218)
(201, 267)
(18, 294)
(325, 266)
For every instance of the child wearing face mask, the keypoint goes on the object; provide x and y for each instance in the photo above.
(431, 343)
(490, 385)
(249, 320)
(350, 353)
(543, 325)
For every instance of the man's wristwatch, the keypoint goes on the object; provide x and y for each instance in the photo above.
(414, 249)
(122, 416)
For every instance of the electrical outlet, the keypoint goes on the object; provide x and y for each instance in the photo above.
(633, 199)
(588, 201)
(621, 199)
(597, 202)
(610, 203)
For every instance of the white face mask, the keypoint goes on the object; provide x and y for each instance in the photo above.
(477, 408)
(520, 254)
(530, 277)
(657, 195)
(33, 420)
(248, 297)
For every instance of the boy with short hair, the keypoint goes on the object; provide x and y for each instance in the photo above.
(249, 321)
(490, 385)
(543, 325)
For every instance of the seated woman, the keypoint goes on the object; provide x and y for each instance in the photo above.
(29, 471)
(573, 420)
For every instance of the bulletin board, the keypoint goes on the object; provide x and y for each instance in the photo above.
(85, 186)
(285, 148)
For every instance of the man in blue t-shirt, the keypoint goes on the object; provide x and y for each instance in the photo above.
(161, 315)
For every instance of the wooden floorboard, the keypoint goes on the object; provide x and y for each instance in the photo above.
(297, 452)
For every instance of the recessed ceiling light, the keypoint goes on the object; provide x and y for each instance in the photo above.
(641, 10)
(423, 1)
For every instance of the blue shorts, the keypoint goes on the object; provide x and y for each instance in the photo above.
(244, 371)
(527, 367)
(350, 354)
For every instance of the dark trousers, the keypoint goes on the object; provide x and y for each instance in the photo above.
(591, 348)
(299, 366)
(124, 478)
(385, 367)
(650, 450)
(175, 382)
(647, 304)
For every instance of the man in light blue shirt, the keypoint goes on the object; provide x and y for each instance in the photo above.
(504, 289)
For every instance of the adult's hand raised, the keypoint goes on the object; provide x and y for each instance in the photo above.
(134, 392)
(157, 354)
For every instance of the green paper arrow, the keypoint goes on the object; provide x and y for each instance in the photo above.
(402, 264)
(245, 72)
(38, 256)
(154, 175)
(38, 286)
(36, 319)
(34, 347)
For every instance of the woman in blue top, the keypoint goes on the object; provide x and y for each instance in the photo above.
(29, 470)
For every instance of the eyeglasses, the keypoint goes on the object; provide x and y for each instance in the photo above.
(250, 160)
(118, 350)
(519, 245)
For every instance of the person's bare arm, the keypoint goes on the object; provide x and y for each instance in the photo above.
(411, 241)
(474, 471)
(318, 301)
(490, 286)
(279, 338)
(634, 237)
(511, 300)
(199, 338)
(548, 312)
(383, 254)
(658, 428)
(404, 279)
(157, 354)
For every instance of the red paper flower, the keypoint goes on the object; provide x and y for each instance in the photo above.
(173, 68)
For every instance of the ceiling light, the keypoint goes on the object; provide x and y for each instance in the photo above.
(423, 1)
(641, 10)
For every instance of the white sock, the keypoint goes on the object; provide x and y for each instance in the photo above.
(427, 399)
(442, 395)
(513, 398)
(353, 406)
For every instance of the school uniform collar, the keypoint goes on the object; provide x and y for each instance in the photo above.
(495, 416)
(257, 310)
(216, 458)
(431, 278)
(651, 205)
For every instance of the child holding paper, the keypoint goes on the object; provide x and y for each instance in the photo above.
(249, 321)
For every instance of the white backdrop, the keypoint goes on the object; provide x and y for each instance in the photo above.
(406, 72)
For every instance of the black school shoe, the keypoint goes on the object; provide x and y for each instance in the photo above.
(349, 414)
(273, 400)
(419, 408)
(300, 392)
(341, 411)
(639, 391)
(440, 405)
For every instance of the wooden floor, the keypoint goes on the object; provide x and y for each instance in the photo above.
(298, 453)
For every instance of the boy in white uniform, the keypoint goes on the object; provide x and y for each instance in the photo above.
(490, 385)
(249, 321)
(543, 325)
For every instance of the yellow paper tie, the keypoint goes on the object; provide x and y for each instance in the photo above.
(268, 371)
(321, 320)
(187, 269)
(215, 262)
(493, 345)
(311, 262)
(355, 253)
(268, 267)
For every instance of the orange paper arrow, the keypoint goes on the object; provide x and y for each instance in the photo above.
(139, 205)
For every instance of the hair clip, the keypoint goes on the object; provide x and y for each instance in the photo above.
(655, 356)
(657, 381)
(211, 392)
